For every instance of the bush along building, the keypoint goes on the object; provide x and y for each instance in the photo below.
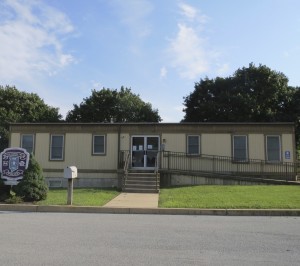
(141, 157)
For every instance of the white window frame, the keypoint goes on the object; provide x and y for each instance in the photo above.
(279, 151)
(62, 147)
(188, 144)
(33, 139)
(246, 149)
(104, 145)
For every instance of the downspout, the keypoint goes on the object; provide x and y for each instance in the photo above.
(120, 179)
(119, 144)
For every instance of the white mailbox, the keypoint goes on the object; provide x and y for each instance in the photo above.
(70, 172)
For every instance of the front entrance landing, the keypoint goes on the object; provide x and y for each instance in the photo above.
(134, 200)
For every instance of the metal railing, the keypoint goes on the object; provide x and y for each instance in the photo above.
(225, 165)
(156, 169)
(221, 165)
(126, 157)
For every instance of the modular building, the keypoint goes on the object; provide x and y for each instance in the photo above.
(100, 150)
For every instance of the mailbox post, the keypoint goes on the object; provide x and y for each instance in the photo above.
(70, 173)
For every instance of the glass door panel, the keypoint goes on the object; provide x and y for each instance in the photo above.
(152, 149)
(144, 151)
(138, 152)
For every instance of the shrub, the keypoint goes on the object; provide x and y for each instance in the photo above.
(14, 200)
(33, 186)
(4, 191)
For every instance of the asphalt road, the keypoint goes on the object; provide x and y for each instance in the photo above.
(113, 239)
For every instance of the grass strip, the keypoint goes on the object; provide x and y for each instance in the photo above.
(231, 197)
(81, 196)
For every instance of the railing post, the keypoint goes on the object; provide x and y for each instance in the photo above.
(261, 168)
(125, 169)
(156, 168)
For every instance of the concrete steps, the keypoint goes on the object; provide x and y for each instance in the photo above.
(141, 182)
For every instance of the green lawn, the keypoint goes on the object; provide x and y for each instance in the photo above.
(81, 197)
(215, 197)
(231, 197)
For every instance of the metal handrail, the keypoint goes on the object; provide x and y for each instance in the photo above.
(219, 165)
(226, 165)
(156, 168)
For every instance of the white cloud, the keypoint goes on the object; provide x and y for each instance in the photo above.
(66, 59)
(96, 85)
(30, 34)
(134, 15)
(223, 69)
(188, 11)
(192, 14)
(189, 55)
(163, 72)
(190, 50)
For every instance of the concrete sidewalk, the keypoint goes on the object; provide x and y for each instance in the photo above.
(134, 200)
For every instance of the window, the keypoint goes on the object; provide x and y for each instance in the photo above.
(240, 151)
(273, 149)
(27, 142)
(98, 144)
(57, 147)
(193, 144)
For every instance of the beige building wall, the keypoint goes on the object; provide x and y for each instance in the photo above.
(42, 144)
(78, 148)
(174, 142)
(15, 140)
(125, 140)
(256, 146)
(77, 151)
(287, 146)
(216, 144)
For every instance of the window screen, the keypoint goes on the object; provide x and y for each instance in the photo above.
(98, 144)
(57, 147)
(193, 145)
(28, 143)
(273, 148)
(240, 148)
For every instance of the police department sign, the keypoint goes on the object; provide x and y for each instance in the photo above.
(13, 163)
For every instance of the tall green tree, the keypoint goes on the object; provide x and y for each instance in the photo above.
(252, 94)
(108, 105)
(19, 106)
(294, 112)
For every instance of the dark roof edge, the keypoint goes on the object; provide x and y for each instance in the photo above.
(156, 123)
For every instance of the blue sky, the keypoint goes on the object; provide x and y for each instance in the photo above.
(62, 49)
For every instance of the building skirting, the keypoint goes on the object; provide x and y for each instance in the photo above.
(58, 182)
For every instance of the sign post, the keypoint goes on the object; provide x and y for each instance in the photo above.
(13, 163)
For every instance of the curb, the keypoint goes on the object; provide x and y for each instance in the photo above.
(165, 211)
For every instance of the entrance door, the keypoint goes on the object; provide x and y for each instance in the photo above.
(144, 151)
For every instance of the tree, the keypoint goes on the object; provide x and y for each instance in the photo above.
(109, 105)
(33, 186)
(252, 94)
(294, 113)
(18, 106)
